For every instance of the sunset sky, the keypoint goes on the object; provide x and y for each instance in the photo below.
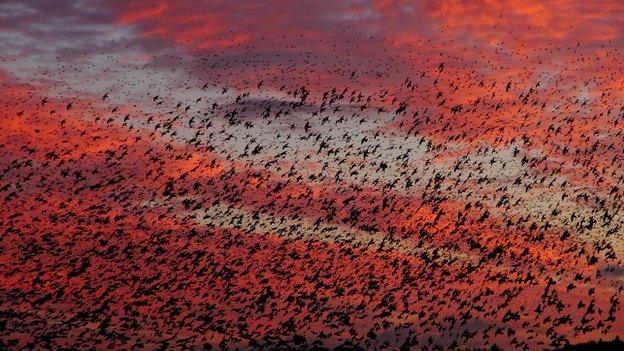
(285, 175)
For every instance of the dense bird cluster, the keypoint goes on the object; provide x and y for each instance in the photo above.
(250, 204)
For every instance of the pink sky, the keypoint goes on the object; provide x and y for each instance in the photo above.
(247, 174)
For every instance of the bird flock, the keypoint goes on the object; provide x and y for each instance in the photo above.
(244, 203)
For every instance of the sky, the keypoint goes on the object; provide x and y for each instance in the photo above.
(242, 174)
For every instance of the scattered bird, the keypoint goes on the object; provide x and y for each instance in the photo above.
(389, 207)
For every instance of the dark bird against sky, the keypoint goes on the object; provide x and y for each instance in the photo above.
(311, 174)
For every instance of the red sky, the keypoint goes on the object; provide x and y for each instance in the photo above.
(298, 174)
